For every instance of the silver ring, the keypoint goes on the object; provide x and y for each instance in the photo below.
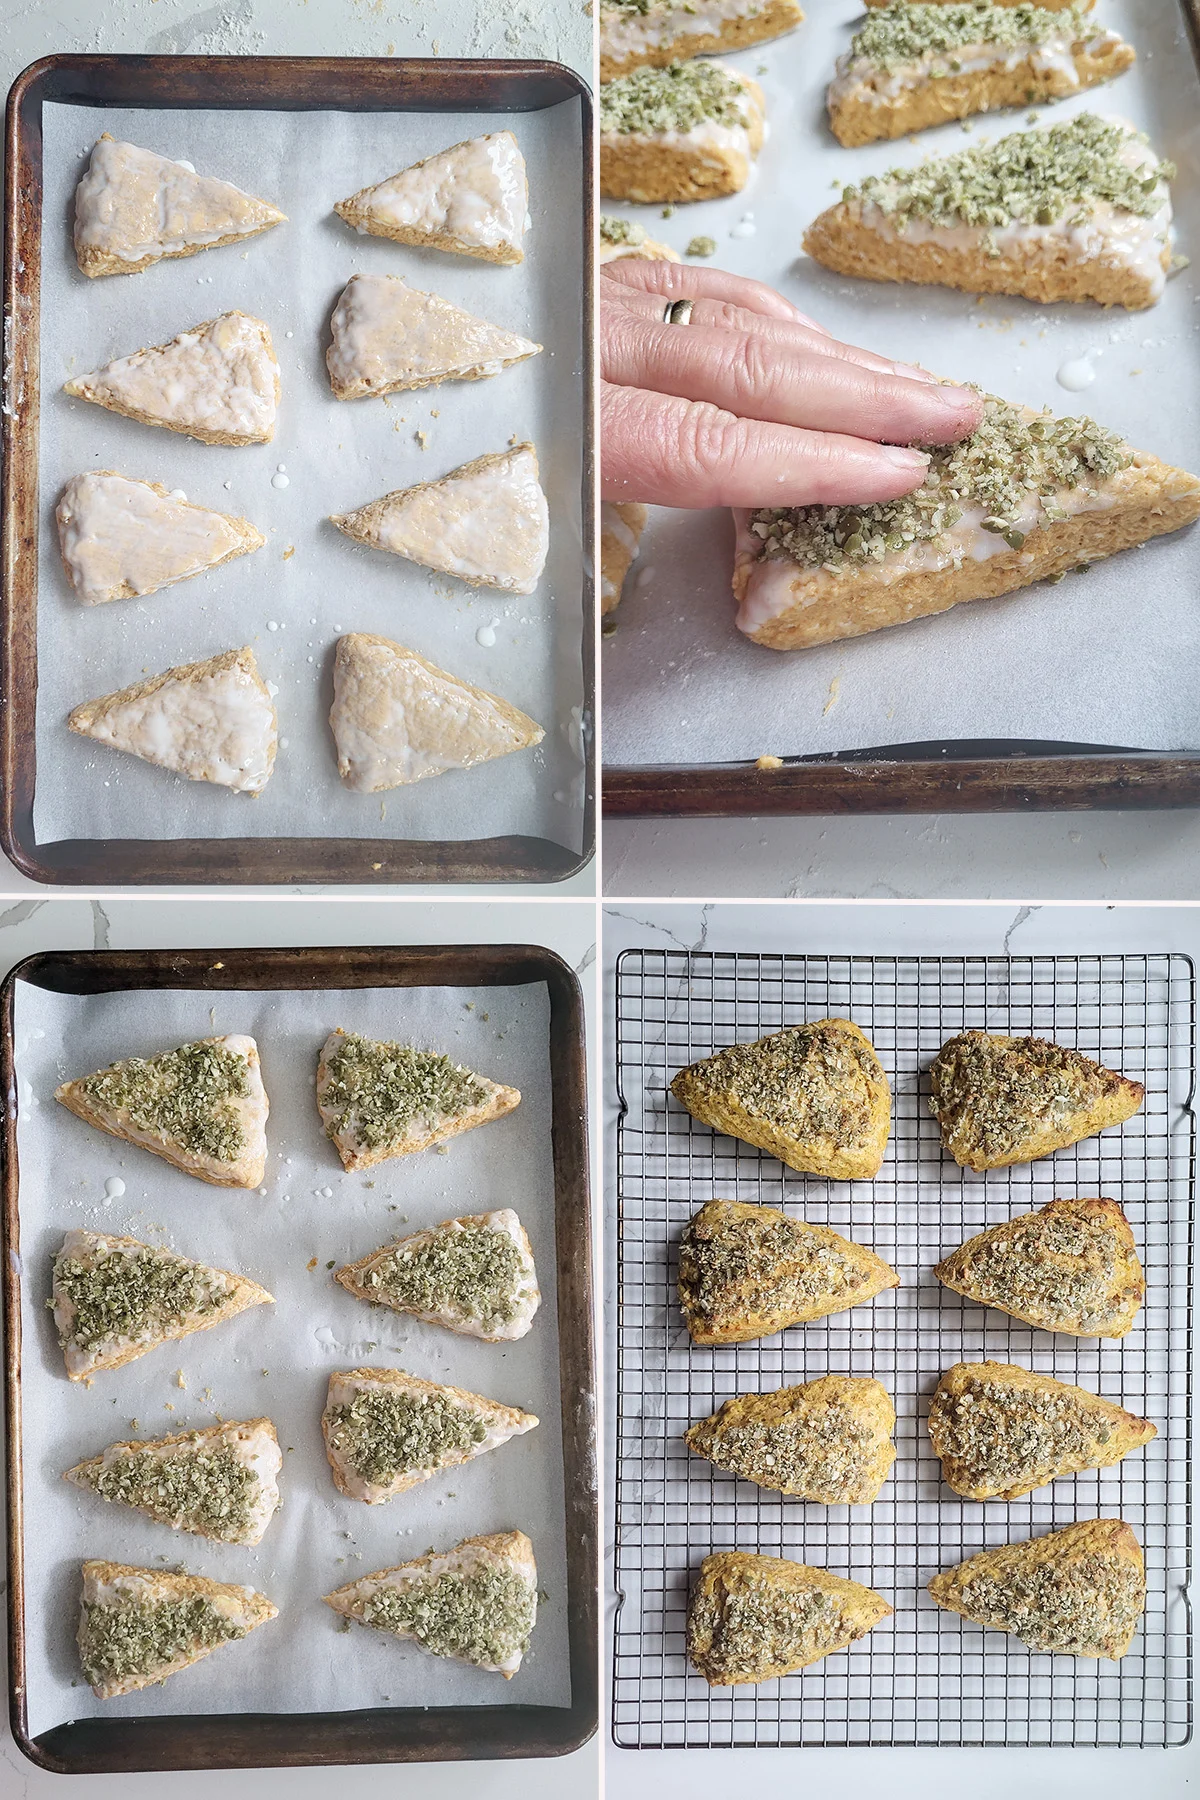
(678, 312)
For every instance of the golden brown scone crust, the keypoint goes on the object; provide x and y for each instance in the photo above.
(256, 1608)
(752, 1617)
(813, 1095)
(649, 168)
(1002, 1100)
(1071, 1267)
(498, 1413)
(1001, 1431)
(750, 1271)
(197, 432)
(649, 250)
(776, 17)
(829, 1440)
(616, 556)
(1080, 1591)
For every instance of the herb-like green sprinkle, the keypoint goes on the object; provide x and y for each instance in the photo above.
(468, 1270)
(896, 35)
(121, 1293)
(484, 1617)
(376, 1091)
(677, 98)
(184, 1094)
(702, 246)
(614, 230)
(137, 1637)
(202, 1490)
(383, 1434)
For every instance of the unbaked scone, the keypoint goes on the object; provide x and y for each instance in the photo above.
(625, 237)
(134, 207)
(218, 382)
(378, 1100)
(474, 1276)
(472, 199)
(690, 131)
(219, 1483)
(138, 1626)
(829, 1440)
(1071, 1267)
(389, 336)
(752, 1617)
(634, 33)
(622, 523)
(121, 538)
(385, 1430)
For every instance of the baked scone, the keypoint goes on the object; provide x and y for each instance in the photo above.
(138, 1626)
(202, 1107)
(829, 1440)
(473, 1275)
(397, 718)
(625, 237)
(211, 721)
(472, 199)
(1026, 498)
(486, 522)
(389, 336)
(379, 1100)
(622, 523)
(385, 1431)
(218, 382)
(909, 67)
(1071, 1267)
(750, 1271)
(637, 33)
(752, 1617)
(687, 132)
(219, 1483)
(475, 1603)
(134, 207)
(1001, 1431)
(114, 1299)
(1076, 1592)
(120, 538)
(1079, 211)
(1001, 1100)
(1049, 5)
(813, 1095)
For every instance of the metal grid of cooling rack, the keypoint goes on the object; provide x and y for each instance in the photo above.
(923, 1676)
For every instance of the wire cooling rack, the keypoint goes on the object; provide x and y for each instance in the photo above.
(923, 1676)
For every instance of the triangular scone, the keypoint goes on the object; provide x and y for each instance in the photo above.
(218, 382)
(1071, 1267)
(620, 238)
(752, 1617)
(378, 1100)
(211, 721)
(476, 1603)
(472, 199)
(201, 1107)
(622, 523)
(813, 1095)
(120, 538)
(219, 1483)
(1026, 498)
(397, 718)
(634, 33)
(1076, 1592)
(911, 67)
(486, 522)
(690, 131)
(474, 1275)
(1001, 1431)
(134, 207)
(137, 1626)
(1079, 211)
(750, 1271)
(829, 1440)
(115, 1298)
(386, 1431)
(1002, 1100)
(1047, 5)
(387, 335)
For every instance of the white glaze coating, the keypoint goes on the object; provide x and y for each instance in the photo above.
(86, 1247)
(625, 33)
(389, 335)
(859, 79)
(118, 535)
(220, 377)
(133, 203)
(209, 723)
(475, 193)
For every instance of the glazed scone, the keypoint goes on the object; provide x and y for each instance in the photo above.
(625, 237)
(218, 382)
(115, 1299)
(379, 1100)
(219, 1483)
(829, 1440)
(909, 67)
(1079, 211)
(385, 1431)
(134, 207)
(138, 1626)
(211, 721)
(388, 336)
(752, 1618)
(636, 33)
(1071, 1267)
(475, 1603)
(472, 199)
(1076, 1592)
(622, 523)
(486, 522)
(750, 1271)
(1001, 1100)
(397, 718)
(121, 538)
(1049, 5)
(1000, 1430)
(813, 1095)
(690, 131)
(474, 1276)
(1024, 499)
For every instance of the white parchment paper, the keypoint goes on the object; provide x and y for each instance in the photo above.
(276, 1360)
(336, 455)
(1104, 658)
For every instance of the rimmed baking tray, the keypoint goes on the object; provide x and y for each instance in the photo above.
(221, 1739)
(78, 854)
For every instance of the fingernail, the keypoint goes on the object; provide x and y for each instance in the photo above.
(912, 372)
(960, 398)
(911, 461)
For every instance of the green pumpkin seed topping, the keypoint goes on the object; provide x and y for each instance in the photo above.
(677, 98)
(376, 1091)
(469, 1270)
(124, 1293)
(185, 1095)
(137, 1637)
(203, 1490)
(485, 1616)
(621, 231)
(901, 34)
(385, 1433)
(626, 6)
